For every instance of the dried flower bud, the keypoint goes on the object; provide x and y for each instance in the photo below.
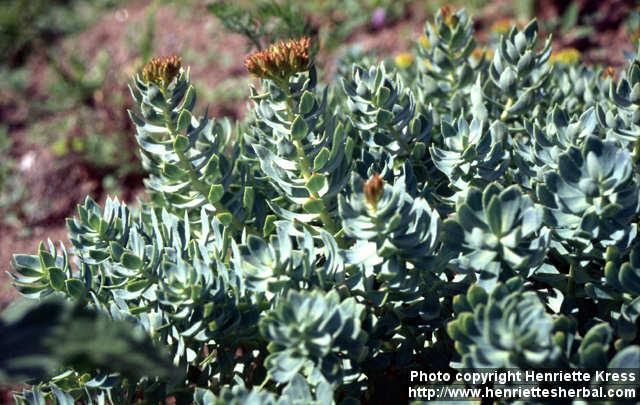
(609, 72)
(280, 60)
(161, 71)
(373, 189)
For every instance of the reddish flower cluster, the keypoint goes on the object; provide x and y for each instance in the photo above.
(373, 189)
(280, 60)
(161, 71)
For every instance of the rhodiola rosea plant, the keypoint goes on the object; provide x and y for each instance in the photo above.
(471, 211)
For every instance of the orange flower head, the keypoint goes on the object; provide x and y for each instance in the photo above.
(161, 71)
(280, 60)
(373, 189)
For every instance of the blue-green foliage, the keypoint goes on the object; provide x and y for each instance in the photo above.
(471, 212)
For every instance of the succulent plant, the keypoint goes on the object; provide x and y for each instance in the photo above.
(507, 328)
(296, 392)
(303, 149)
(388, 216)
(623, 121)
(385, 110)
(470, 154)
(498, 232)
(539, 153)
(476, 209)
(592, 198)
(445, 49)
(182, 153)
(519, 72)
(313, 332)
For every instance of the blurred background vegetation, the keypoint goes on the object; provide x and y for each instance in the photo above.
(65, 65)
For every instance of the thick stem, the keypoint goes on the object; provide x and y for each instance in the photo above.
(201, 186)
(305, 170)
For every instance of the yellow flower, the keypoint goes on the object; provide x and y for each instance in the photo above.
(424, 41)
(566, 56)
(404, 60)
(280, 60)
(502, 25)
(161, 71)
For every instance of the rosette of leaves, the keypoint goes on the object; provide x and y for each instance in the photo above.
(290, 258)
(395, 267)
(385, 111)
(447, 73)
(302, 149)
(617, 292)
(99, 239)
(623, 120)
(297, 391)
(595, 349)
(175, 285)
(520, 73)
(498, 232)
(38, 276)
(387, 215)
(313, 332)
(592, 198)
(506, 328)
(184, 155)
(576, 87)
(540, 152)
(394, 261)
(469, 154)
